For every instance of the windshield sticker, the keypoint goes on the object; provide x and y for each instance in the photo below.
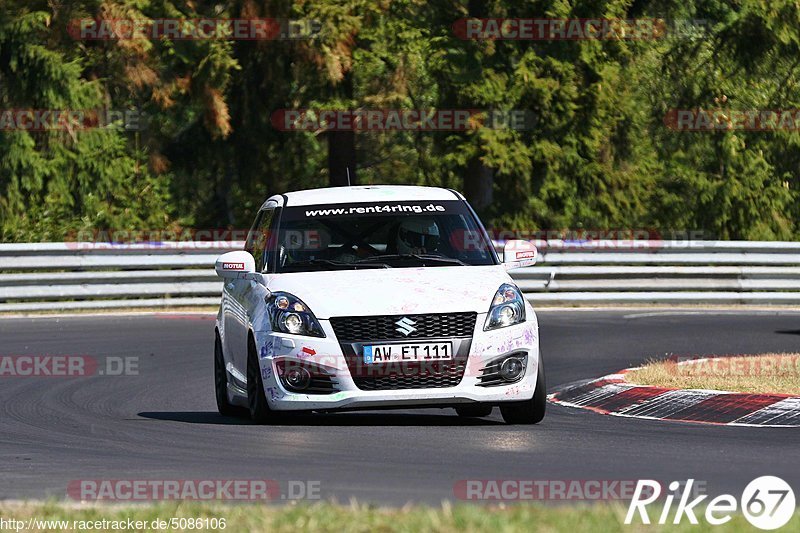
(378, 209)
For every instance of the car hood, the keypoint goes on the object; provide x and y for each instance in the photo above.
(396, 291)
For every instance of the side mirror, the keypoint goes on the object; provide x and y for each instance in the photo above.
(518, 254)
(235, 265)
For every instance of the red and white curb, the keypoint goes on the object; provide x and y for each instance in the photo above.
(613, 395)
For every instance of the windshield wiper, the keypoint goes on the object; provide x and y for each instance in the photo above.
(424, 258)
(338, 264)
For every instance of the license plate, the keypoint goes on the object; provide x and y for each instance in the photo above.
(387, 353)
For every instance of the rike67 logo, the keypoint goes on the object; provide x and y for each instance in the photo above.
(768, 503)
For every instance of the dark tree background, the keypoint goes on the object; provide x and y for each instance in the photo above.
(599, 155)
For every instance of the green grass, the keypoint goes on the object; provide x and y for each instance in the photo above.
(326, 517)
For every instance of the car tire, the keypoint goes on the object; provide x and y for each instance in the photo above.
(221, 381)
(474, 410)
(528, 411)
(260, 413)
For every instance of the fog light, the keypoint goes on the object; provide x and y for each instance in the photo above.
(511, 369)
(298, 378)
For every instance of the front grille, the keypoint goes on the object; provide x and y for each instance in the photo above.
(446, 376)
(371, 328)
(356, 331)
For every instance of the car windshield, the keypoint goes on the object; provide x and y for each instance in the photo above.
(381, 235)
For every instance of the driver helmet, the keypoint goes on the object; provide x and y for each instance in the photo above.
(417, 235)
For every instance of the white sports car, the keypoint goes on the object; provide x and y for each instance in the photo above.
(375, 297)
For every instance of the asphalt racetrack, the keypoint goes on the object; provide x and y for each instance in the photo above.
(163, 424)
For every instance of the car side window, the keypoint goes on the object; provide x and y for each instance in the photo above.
(251, 235)
(260, 235)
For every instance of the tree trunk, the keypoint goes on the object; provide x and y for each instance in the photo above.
(341, 158)
(478, 182)
(479, 179)
(342, 144)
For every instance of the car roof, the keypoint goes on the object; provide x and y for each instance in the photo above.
(363, 193)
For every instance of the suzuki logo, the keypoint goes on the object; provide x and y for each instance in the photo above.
(405, 326)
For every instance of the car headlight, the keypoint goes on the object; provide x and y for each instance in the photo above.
(508, 308)
(290, 315)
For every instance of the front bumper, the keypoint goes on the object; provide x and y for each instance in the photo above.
(327, 355)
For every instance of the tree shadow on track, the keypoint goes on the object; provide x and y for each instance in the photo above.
(326, 419)
(788, 331)
(196, 417)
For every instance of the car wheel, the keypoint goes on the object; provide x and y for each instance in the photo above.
(474, 411)
(260, 412)
(221, 381)
(529, 411)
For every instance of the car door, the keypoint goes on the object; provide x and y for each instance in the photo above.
(248, 296)
(234, 314)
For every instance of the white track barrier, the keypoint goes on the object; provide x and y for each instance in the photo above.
(65, 276)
